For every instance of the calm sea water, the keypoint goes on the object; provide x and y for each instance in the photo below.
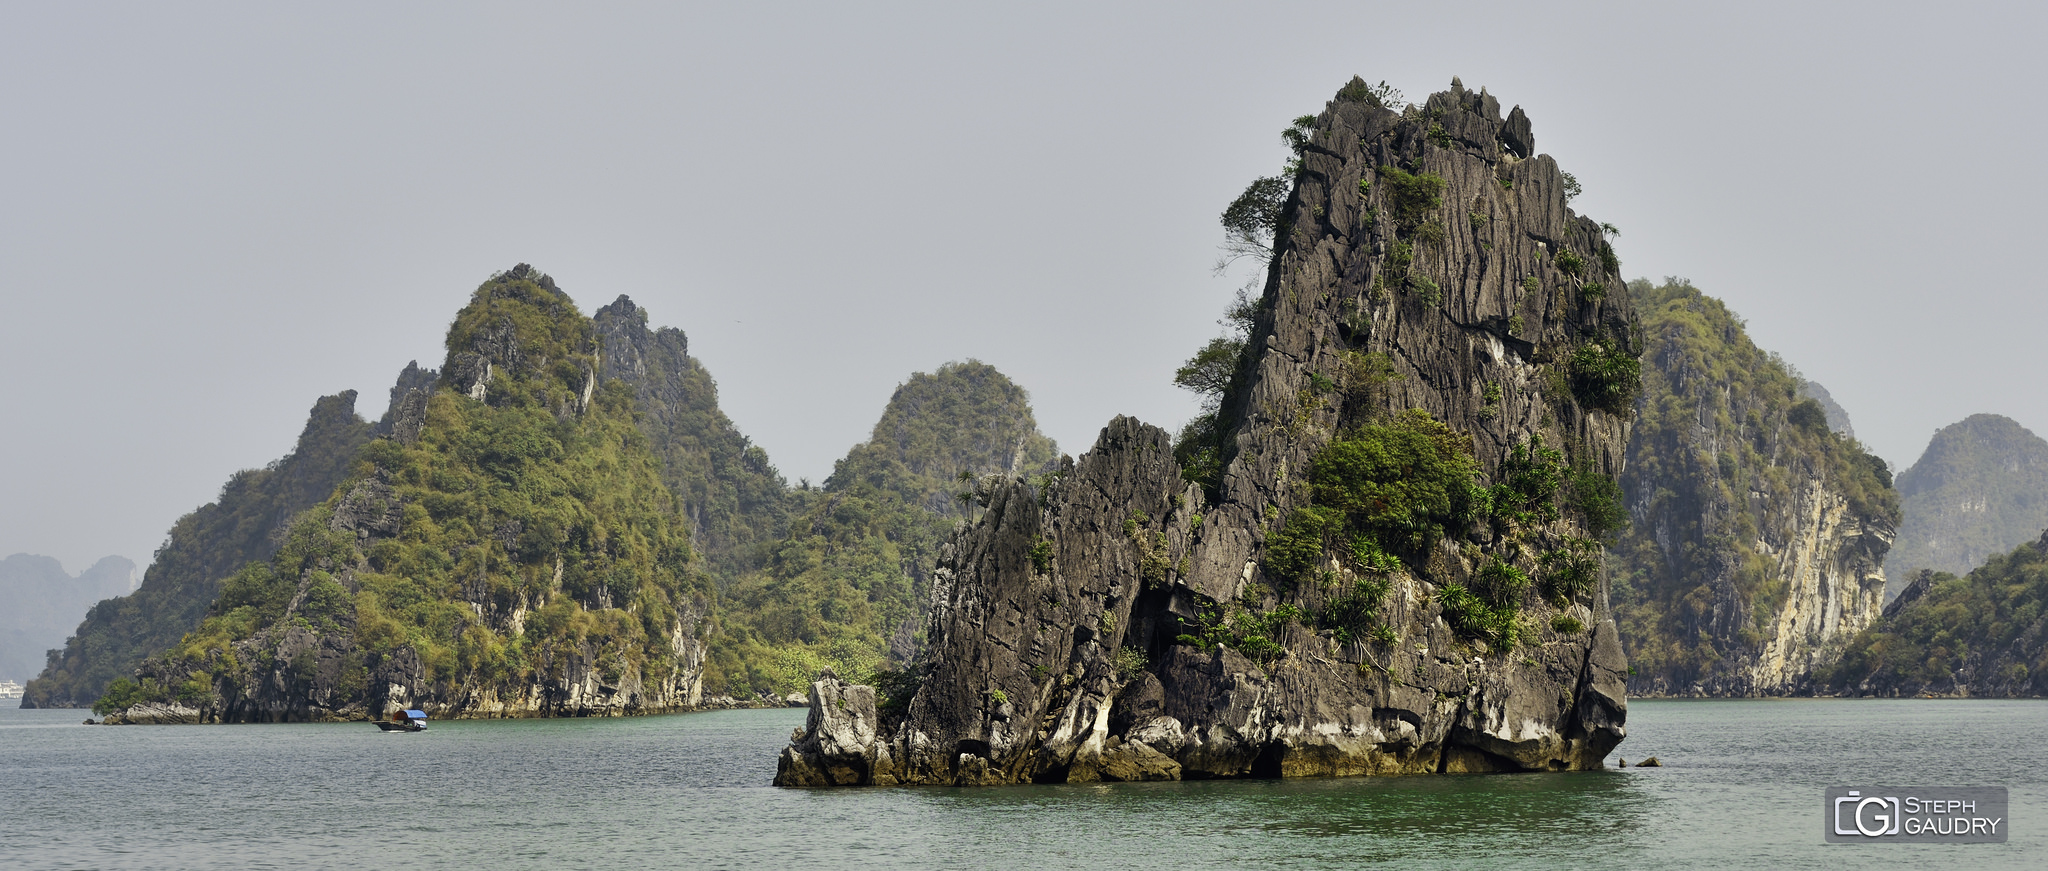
(1741, 786)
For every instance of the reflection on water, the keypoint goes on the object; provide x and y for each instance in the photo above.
(1741, 786)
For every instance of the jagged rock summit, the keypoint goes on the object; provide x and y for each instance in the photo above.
(1397, 571)
(505, 548)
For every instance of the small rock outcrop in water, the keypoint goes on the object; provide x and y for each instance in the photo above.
(1432, 309)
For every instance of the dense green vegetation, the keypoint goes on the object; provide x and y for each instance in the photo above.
(1985, 633)
(201, 551)
(1980, 488)
(1399, 486)
(1723, 444)
(533, 528)
(845, 588)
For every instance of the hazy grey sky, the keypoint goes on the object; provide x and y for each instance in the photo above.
(210, 215)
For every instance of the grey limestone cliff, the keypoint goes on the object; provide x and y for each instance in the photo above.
(1760, 526)
(732, 494)
(1113, 621)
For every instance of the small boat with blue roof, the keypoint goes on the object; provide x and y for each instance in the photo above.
(408, 720)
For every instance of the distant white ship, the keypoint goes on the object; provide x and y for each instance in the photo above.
(9, 689)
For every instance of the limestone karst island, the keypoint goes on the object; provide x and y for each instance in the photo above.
(1457, 491)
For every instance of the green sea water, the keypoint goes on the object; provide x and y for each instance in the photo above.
(1741, 786)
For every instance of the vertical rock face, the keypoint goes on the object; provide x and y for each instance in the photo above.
(1834, 586)
(1113, 621)
(1980, 489)
(732, 495)
(1760, 527)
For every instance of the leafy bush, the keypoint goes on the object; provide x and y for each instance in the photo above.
(1501, 584)
(1808, 415)
(894, 689)
(1297, 547)
(1598, 500)
(1356, 610)
(1605, 377)
(1382, 95)
(1431, 233)
(1041, 557)
(1209, 372)
(1198, 448)
(1426, 289)
(1569, 263)
(1570, 572)
(1399, 256)
(1240, 629)
(1471, 616)
(1526, 485)
(123, 693)
(1412, 196)
(1130, 662)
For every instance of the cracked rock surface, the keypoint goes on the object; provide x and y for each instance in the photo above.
(1064, 634)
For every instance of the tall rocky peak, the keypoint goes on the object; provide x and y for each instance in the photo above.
(413, 379)
(1396, 570)
(521, 341)
(733, 496)
(510, 550)
(246, 523)
(1980, 489)
(1759, 529)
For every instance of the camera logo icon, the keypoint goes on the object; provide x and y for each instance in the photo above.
(1870, 816)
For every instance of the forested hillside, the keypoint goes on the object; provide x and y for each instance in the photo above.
(508, 549)
(1757, 531)
(1984, 634)
(846, 588)
(734, 498)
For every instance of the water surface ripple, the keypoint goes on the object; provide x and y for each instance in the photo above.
(1741, 786)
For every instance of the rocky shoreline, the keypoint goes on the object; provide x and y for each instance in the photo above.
(179, 714)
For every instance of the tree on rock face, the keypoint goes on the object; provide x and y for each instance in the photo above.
(1208, 372)
(1249, 221)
